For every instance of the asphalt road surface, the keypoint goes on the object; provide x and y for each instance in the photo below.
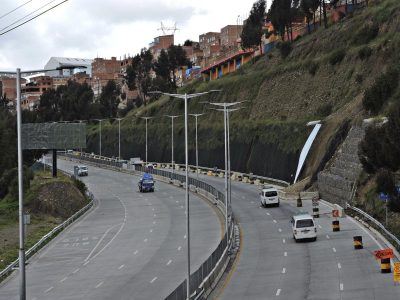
(129, 246)
(272, 266)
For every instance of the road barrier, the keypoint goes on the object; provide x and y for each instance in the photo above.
(358, 243)
(385, 265)
(299, 202)
(203, 278)
(335, 225)
(48, 237)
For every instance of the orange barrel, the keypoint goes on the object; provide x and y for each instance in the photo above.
(358, 244)
(335, 225)
(385, 265)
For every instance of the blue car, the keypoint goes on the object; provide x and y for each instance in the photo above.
(146, 183)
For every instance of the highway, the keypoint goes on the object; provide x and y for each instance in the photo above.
(272, 266)
(129, 246)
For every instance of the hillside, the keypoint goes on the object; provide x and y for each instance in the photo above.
(324, 77)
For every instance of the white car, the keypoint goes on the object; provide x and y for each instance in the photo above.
(269, 196)
(83, 171)
(303, 227)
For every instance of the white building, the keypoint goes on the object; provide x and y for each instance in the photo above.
(56, 62)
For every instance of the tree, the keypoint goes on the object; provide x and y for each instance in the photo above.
(138, 73)
(188, 43)
(168, 62)
(305, 6)
(109, 99)
(252, 29)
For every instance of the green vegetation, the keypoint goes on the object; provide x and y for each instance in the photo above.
(337, 56)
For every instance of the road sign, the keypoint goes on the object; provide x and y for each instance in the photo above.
(385, 253)
(335, 213)
(396, 271)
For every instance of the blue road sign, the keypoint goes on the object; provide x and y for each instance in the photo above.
(383, 196)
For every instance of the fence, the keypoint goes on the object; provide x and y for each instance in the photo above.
(46, 238)
(202, 278)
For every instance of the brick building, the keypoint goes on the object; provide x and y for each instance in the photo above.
(160, 43)
(32, 90)
(104, 70)
(194, 53)
(230, 36)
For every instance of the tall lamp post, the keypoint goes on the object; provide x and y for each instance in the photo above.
(186, 97)
(146, 118)
(226, 110)
(17, 73)
(197, 148)
(119, 137)
(172, 140)
(100, 120)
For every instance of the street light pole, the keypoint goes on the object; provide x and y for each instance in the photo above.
(172, 140)
(186, 97)
(100, 137)
(22, 292)
(197, 149)
(119, 138)
(146, 118)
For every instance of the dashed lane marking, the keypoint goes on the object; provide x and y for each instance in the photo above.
(339, 266)
(284, 241)
(169, 262)
(154, 279)
(65, 278)
(136, 252)
(280, 230)
(274, 221)
(75, 271)
(327, 236)
(145, 240)
(334, 250)
(341, 287)
(151, 230)
(154, 222)
(49, 289)
(268, 214)
(319, 226)
(283, 270)
(285, 254)
(120, 267)
(99, 285)
(179, 248)
(278, 292)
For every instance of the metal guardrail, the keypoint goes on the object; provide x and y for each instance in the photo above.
(206, 272)
(46, 238)
(377, 223)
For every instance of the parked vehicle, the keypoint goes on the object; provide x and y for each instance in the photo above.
(83, 171)
(303, 227)
(146, 183)
(269, 196)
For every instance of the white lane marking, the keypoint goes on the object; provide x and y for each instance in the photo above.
(184, 236)
(86, 263)
(327, 236)
(176, 201)
(154, 222)
(145, 240)
(65, 278)
(49, 289)
(85, 243)
(268, 214)
(339, 266)
(136, 252)
(169, 262)
(75, 271)
(334, 250)
(366, 231)
(280, 230)
(98, 243)
(179, 248)
(154, 215)
(154, 279)
(283, 270)
(151, 230)
(99, 285)
(278, 292)
(119, 230)
(285, 254)
(283, 241)
(341, 286)
(152, 209)
(274, 221)
(120, 267)
(319, 226)
(85, 239)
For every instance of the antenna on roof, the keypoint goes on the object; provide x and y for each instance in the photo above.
(165, 29)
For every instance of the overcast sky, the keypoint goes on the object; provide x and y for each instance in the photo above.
(105, 28)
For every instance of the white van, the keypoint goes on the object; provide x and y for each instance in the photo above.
(303, 227)
(269, 196)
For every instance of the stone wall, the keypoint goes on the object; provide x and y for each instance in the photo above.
(335, 182)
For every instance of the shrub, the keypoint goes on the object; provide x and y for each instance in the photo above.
(366, 34)
(80, 185)
(359, 78)
(384, 86)
(285, 48)
(337, 56)
(364, 52)
(313, 67)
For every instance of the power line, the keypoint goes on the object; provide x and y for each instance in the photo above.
(38, 15)
(1, 17)
(8, 26)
